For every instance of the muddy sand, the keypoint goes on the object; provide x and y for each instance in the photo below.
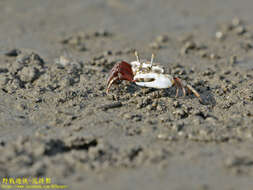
(57, 121)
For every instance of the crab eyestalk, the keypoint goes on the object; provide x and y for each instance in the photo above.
(137, 56)
(152, 59)
(120, 71)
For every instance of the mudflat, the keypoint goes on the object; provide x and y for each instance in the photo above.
(57, 121)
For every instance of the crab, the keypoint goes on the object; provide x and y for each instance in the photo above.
(147, 74)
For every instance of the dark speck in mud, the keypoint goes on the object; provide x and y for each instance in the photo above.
(110, 106)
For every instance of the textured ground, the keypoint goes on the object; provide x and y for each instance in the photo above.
(56, 119)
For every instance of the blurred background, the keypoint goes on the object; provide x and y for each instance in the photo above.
(38, 24)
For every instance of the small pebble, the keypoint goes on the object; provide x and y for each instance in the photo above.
(155, 45)
(236, 21)
(180, 113)
(176, 104)
(74, 40)
(187, 46)
(214, 56)
(106, 53)
(240, 30)
(28, 74)
(190, 45)
(129, 50)
(149, 107)
(162, 38)
(162, 136)
(183, 51)
(3, 80)
(185, 38)
(248, 35)
(21, 106)
(81, 47)
(233, 59)
(159, 108)
(119, 52)
(204, 133)
(12, 53)
(77, 128)
(219, 35)
(104, 33)
(181, 133)
(63, 61)
(127, 116)
(178, 126)
(226, 27)
(238, 161)
(110, 106)
(211, 120)
(203, 53)
(246, 46)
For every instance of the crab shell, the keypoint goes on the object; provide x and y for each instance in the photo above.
(136, 65)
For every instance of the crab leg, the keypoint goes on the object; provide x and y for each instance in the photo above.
(190, 89)
(179, 84)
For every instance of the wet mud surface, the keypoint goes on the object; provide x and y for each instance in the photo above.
(57, 120)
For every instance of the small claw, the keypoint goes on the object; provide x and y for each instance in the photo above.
(120, 71)
(110, 84)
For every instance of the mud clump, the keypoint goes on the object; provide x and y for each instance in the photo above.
(80, 40)
(34, 156)
(22, 72)
(28, 74)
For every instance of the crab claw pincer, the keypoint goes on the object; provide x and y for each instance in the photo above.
(120, 71)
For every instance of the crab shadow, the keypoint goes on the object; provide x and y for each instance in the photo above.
(205, 93)
(208, 97)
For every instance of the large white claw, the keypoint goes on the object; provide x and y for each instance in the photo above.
(153, 80)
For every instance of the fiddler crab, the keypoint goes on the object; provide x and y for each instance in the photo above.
(146, 73)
